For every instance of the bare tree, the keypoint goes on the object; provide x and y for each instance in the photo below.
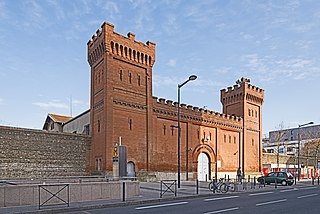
(279, 138)
(311, 149)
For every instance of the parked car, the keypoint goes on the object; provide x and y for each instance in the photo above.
(283, 178)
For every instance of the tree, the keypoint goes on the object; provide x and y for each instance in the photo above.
(311, 149)
(279, 138)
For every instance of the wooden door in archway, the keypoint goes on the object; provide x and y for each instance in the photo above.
(203, 167)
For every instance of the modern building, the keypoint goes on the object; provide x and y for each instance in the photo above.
(122, 107)
(286, 141)
(284, 146)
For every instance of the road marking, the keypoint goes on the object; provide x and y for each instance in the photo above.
(220, 211)
(310, 188)
(260, 193)
(289, 190)
(214, 199)
(306, 196)
(271, 202)
(161, 205)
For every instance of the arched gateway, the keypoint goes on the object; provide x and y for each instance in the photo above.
(204, 157)
(203, 167)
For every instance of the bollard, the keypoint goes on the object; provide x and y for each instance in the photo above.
(160, 189)
(206, 177)
(312, 181)
(225, 176)
(175, 188)
(197, 186)
(254, 182)
(228, 178)
(295, 180)
(275, 183)
(123, 191)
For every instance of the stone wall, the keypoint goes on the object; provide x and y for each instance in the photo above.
(27, 153)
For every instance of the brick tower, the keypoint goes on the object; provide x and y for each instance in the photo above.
(121, 97)
(245, 100)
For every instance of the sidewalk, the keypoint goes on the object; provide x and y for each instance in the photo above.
(149, 192)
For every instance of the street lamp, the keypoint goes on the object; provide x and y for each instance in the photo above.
(191, 78)
(299, 168)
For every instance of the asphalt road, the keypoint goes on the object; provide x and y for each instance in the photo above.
(293, 200)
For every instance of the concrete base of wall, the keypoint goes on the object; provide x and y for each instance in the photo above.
(158, 176)
(32, 194)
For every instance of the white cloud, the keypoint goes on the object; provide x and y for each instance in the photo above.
(59, 12)
(3, 10)
(33, 16)
(170, 25)
(271, 68)
(1, 102)
(51, 104)
(246, 36)
(172, 63)
(164, 80)
(111, 8)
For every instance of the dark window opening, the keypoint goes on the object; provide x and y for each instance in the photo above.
(130, 124)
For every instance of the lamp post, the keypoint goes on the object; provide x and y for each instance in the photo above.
(191, 78)
(299, 168)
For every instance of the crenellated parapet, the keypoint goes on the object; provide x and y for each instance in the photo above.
(240, 91)
(96, 47)
(188, 112)
(117, 45)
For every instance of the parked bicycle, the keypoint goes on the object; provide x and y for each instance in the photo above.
(221, 186)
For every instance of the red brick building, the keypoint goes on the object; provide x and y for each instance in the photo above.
(122, 105)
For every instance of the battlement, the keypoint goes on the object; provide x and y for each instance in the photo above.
(126, 48)
(194, 113)
(242, 90)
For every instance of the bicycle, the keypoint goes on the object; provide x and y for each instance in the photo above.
(221, 186)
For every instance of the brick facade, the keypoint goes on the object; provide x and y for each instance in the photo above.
(27, 153)
(122, 105)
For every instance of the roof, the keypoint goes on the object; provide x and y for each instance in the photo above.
(80, 115)
(59, 118)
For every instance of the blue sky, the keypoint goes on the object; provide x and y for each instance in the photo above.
(43, 54)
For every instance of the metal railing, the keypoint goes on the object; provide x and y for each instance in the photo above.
(170, 186)
(54, 193)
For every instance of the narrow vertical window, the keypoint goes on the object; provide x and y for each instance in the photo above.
(98, 125)
(172, 131)
(249, 112)
(198, 134)
(164, 129)
(130, 78)
(252, 142)
(225, 138)
(120, 75)
(139, 80)
(229, 139)
(130, 124)
(210, 135)
(256, 113)
(204, 135)
(234, 140)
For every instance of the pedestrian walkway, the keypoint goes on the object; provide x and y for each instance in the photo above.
(150, 192)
